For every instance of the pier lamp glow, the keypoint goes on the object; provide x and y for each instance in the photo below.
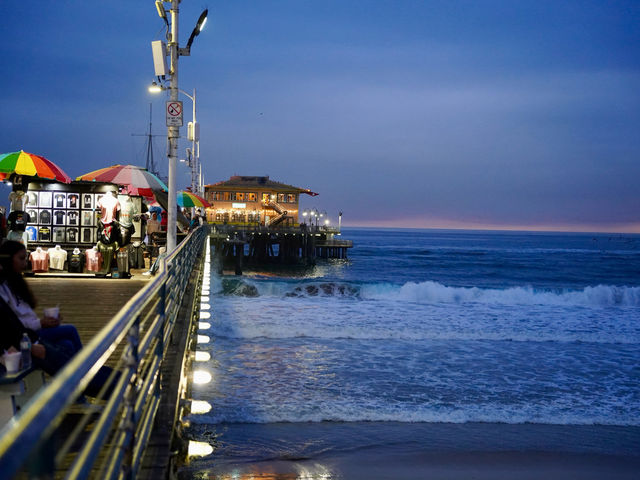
(199, 449)
(201, 377)
(203, 339)
(200, 406)
(202, 356)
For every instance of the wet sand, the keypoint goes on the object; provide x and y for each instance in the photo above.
(399, 451)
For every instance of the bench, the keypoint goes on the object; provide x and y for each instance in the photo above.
(16, 389)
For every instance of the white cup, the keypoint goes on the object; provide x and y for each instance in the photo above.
(12, 361)
(52, 312)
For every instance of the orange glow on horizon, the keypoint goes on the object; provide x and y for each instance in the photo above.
(421, 223)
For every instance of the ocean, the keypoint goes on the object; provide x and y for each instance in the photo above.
(423, 344)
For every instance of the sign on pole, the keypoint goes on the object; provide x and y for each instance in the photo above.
(174, 113)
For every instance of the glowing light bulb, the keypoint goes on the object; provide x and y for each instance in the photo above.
(201, 377)
(199, 449)
(200, 406)
(202, 356)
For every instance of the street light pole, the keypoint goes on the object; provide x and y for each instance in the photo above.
(173, 132)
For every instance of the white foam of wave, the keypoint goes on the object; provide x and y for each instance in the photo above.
(470, 414)
(433, 292)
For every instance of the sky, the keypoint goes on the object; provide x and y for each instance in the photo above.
(399, 113)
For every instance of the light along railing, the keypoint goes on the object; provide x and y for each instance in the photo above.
(140, 332)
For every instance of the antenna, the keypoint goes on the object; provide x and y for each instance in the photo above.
(151, 166)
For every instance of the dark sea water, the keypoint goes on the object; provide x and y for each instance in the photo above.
(420, 329)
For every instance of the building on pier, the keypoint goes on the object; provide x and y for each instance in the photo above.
(254, 201)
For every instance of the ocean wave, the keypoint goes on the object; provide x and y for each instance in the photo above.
(457, 416)
(434, 292)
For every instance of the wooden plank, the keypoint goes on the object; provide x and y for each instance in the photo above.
(88, 303)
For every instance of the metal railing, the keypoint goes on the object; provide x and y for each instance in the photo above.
(122, 416)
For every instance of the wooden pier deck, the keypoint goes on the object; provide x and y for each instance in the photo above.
(86, 302)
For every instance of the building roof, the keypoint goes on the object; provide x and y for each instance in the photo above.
(245, 182)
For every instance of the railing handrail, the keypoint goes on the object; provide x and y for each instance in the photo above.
(43, 413)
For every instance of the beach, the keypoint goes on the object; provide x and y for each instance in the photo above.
(381, 450)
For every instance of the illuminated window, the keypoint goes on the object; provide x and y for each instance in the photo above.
(282, 197)
(251, 197)
(292, 198)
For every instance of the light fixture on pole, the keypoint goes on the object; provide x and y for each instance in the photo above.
(173, 127)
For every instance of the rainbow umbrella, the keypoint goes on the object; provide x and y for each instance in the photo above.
(138, 180)
(30, 165)
(189, 199)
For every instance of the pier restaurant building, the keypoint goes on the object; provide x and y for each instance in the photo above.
(253, 201)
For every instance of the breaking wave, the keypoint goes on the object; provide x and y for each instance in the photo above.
(434, 292)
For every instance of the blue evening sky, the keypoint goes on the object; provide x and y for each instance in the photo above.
(494, 114)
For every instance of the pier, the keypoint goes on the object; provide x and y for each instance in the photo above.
(236, 246)
(144, 329)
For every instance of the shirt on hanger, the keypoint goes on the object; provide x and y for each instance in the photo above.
(93, 260)
(76, 261)
(57, 257)
(39, 261)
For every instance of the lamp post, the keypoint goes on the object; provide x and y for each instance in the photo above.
(173, 132)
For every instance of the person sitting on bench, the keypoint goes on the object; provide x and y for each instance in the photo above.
(49, 354)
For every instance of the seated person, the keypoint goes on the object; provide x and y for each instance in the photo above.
(18, 296)
(49, 352)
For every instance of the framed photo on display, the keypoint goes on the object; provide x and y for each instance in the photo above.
(72, 234)
(59, 200)
(87, 218)
(73, 200)
(32, 199)
(87, 200)
(33, 216)
(87, 235)
(73, 218)
(58, 234)
(45, 199)
(32, 233)
(44, 234)
(59, 217)
(45, 217)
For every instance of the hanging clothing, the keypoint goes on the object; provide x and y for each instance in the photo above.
(136, 255)
(19, 200)
(76, 261)
(93, 259)
(57, 257)
(18, 221)
(109, 207)
(39, 260)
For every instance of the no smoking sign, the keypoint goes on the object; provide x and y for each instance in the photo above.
(174, 113)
